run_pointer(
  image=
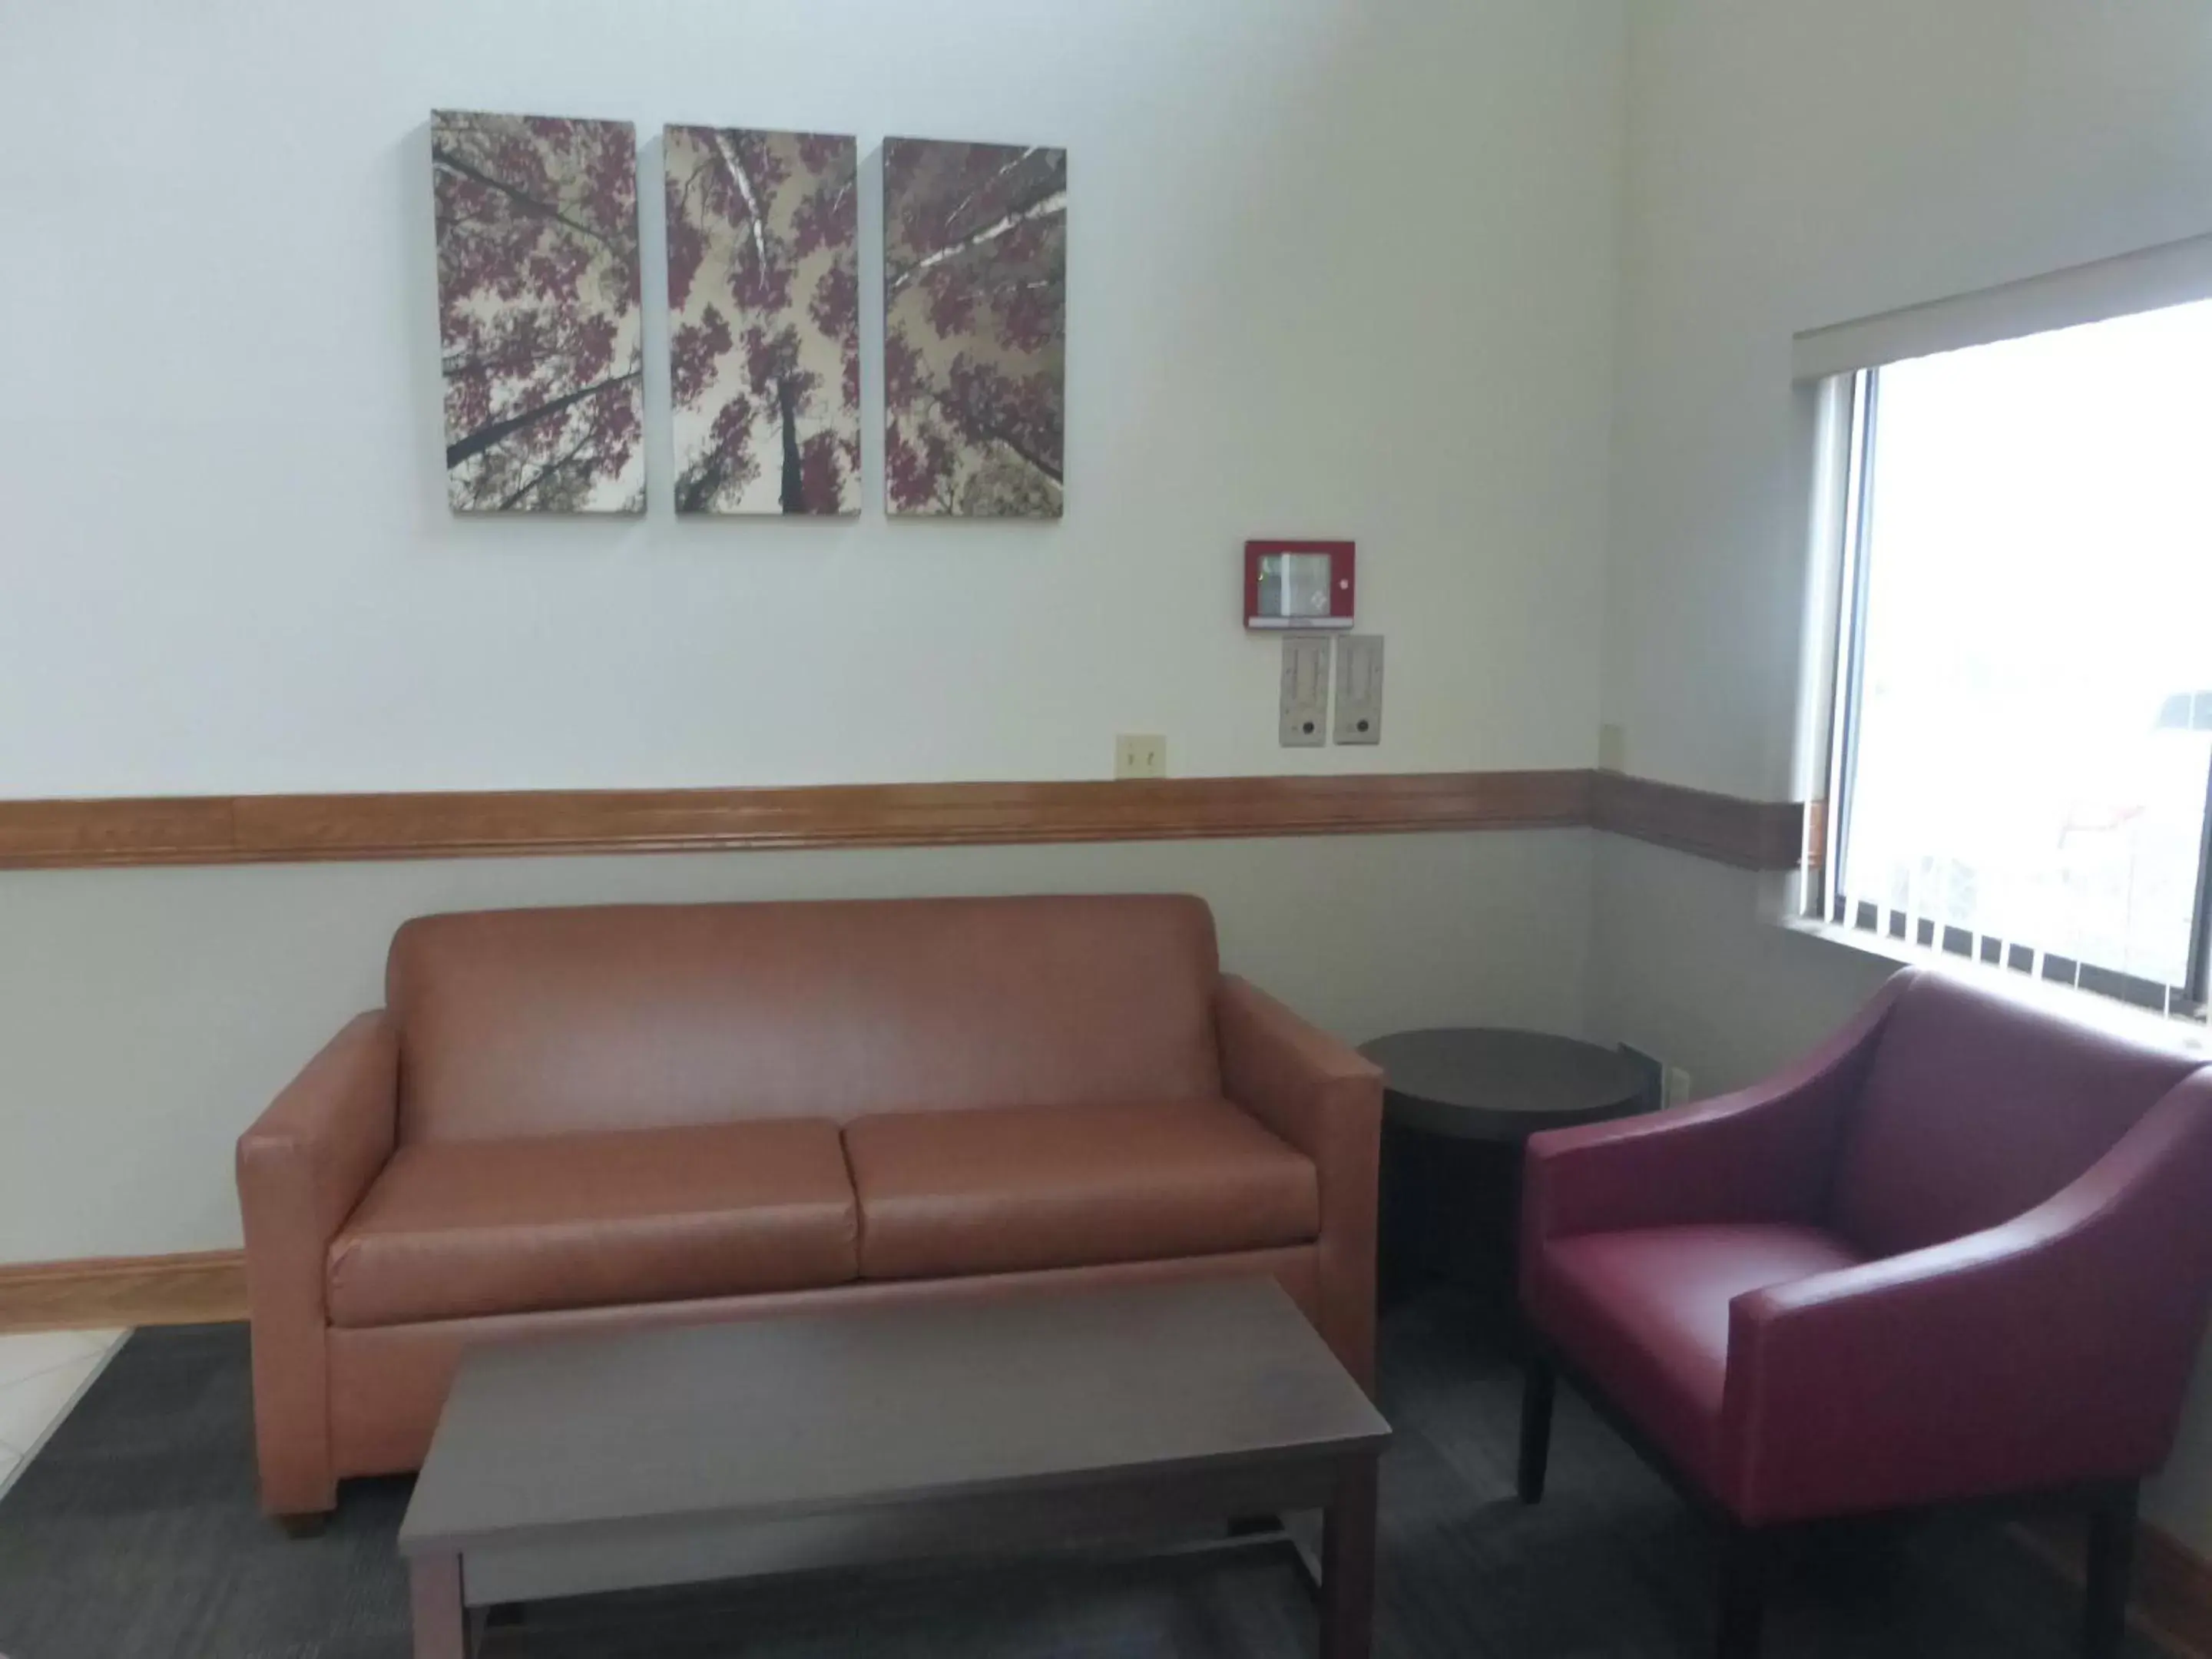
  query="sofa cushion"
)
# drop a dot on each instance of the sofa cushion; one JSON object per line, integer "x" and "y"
{"x": 1646, "y": 1313}
{"x": 539, "y": 1021}
{"x": 455, "y": 1228}
{"x": 1009, "y": 1189}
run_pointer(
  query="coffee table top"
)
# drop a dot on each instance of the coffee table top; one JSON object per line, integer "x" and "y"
{"x": 785, "y": 1417}
{"x": 1478, "y": 1084}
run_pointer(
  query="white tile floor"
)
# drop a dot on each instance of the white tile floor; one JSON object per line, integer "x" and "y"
{"x": 42, "y": 1374}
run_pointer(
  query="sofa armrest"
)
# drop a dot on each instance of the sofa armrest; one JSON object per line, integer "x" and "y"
{"x": 301, "y": 1169}
{"x": 2055, "y": 1349}
{"x": 1761, "y": 1154}
{"x": 1319, "y": 1094}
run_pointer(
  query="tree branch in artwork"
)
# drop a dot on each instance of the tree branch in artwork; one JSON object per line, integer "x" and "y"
{"x": 453, "y": 163}
{"x": 1054, "y": 203}
{"x": 726, "y": 144}
{"x": 498, "y": 431}
{"x": 975, "y": 327}
{"x": 764, "y": 302}
{"x": 1014, "y": 159}
{"x": 538, "y": 313}
{"x": 727, "y": 463}
{"x": 546, "y": 474}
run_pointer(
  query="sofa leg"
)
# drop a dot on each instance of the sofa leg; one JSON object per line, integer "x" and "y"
{"x": 1742, "y": 1592}
{"x": 1539, "y": 1382}
{"x": 304, "y": 1526}
{"x": 2111, "y": 1557}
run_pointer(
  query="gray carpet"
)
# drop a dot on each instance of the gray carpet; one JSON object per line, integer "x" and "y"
{"x": 134, "y": 1535}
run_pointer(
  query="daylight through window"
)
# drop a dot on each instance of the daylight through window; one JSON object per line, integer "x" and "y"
{"x": 2024, "y": 732}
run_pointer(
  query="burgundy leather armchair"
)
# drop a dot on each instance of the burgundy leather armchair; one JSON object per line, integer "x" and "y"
{"x": 1964, "y": 1249}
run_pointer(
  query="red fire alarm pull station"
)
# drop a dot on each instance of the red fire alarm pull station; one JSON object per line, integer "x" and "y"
{"x": 1298, "y": 584}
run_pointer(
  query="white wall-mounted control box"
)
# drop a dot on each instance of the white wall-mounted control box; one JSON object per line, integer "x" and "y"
{"x": 1359, "y": 688}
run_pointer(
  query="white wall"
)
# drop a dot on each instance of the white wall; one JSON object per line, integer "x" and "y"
{"x": 1335, "y": 268}
{"x": 1794, "y": 163}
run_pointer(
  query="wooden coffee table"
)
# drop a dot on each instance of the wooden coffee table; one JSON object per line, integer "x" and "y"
{"x": 606, "y": 1462}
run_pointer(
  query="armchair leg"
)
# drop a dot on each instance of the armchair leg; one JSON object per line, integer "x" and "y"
{"x": 2110, "y": 1555}
{"x": 1742, "y": 1592}
{"x": 1539, "y": 1382}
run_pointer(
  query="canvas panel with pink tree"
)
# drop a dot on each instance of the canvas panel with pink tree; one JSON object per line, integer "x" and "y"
{"x": 974, "y": 328}
{"x": 539, "y": 314}
{"x": 763, "y": 320}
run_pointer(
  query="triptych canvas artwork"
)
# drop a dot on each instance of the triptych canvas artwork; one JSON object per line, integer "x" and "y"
{"x": 538, "y": 313}
{"x": 764, "y": 321}
{"x": 975, "y": 327}
{"x": 541, "y": 320}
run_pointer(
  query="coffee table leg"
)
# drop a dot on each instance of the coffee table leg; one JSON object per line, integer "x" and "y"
{"x": 1348, "y": 1566}
{"x": 441, "y": 1623}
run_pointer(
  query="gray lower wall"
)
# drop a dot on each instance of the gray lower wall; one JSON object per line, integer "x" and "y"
{"x": 147, "y": 1016}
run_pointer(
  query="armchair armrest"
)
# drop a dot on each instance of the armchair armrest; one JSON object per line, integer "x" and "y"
{"x": 1319, "y": 1094}
{"x": 301, "y": 1169}
{"x": 2050, "y": 1351}
{"x": 1761, "y": 1154}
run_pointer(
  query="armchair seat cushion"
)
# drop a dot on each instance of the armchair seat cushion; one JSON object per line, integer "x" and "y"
{"x": 1644, "y": 1314}
{"x": 455, "y": 1228}
{"x": 1010, "y": 1190}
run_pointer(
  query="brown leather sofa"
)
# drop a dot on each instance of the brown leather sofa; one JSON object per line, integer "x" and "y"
{"x": 570, "y": 1118}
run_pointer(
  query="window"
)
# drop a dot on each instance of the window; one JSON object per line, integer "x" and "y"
{"x": 2022, "y": 753}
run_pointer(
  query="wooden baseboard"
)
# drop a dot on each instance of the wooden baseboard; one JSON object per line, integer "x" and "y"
{"x": 104, "y": 1292}
{"x": 2171, "y": 1602}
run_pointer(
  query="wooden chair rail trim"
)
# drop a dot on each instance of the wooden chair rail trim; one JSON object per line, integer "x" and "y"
{"x": 1752, "y": 835}
{"x": 298, "y": 829}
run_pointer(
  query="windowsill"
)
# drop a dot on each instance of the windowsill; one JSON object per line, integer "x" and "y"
{"x": 2067, "y": 1001}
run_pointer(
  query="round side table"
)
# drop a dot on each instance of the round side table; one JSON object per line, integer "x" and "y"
{"x": 1458, "y": 1104}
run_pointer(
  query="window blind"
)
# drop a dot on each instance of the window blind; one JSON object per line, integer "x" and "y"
{"x": 2173, "y": 273}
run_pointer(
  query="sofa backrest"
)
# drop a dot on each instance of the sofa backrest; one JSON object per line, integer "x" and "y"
{"x": 1976, "y": 1108}
{"x": 540, "y": 1022}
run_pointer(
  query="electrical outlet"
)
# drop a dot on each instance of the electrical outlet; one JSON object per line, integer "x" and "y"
{"x": 1304, "y": 712}
{"x": 1678, "y": 1087}
{"x": 1140, "y": 755}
